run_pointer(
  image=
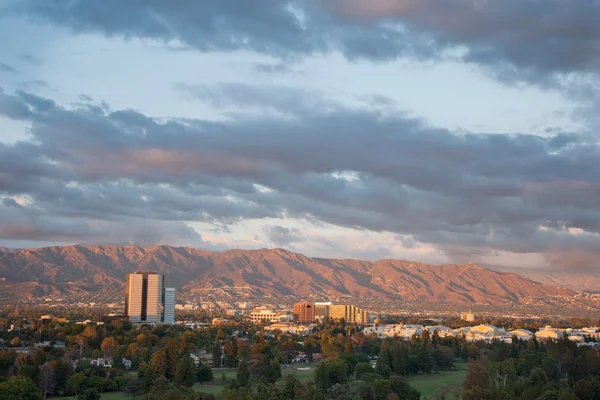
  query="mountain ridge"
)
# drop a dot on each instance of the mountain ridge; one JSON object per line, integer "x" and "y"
{"x": 276, "y": 273}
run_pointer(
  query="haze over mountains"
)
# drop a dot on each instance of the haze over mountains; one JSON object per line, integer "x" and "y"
{"x": 278, "y": 273}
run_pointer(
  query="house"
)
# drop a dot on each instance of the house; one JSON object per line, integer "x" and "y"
{"x": 195, "y": 359}
{"x": 126, "y": 363}
{"x": 105, "y": 362}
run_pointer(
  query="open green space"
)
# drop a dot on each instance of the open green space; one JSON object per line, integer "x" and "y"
{"x": 445, "y": 382}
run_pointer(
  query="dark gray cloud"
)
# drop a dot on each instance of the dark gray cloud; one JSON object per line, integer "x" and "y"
{"x": 29, "y": 58}
{"x": 520, "y": 39}
{"x": 282, "y": 236}
{"x": 6, "y": 68}
{"x": 91, "y": 171}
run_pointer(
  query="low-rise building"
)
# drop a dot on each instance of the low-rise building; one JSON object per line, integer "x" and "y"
{"x": 287, "y": 327}
{"x": 549, "y": 333}
{"x": 261, "y": 315}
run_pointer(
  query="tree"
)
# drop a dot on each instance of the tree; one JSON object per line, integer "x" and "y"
{"x": 322, "y": 378}
{"x": 19, "y": 388}
{"x": 47, "y": 379}
{"x": 337, "y": 370}
{"x": 363, "y": 368}
{"x": 383, "y": 359}
{"x": 216, "y": 354}
{"x": 109, "y": 346}
{"x": 403, "y": 389}
{"x": 398, "y": 357}
{"x": 477, "y": 376}
{"x": 158, "y": 362}
{"x": 89, "y": 394}
{"x": 204, "y": 374}
{"x": 381, "y": 388}
{"x": 133, "y": 388}
{"x": 76, "y": 383}
{"x": 242, "y": 375}
{"x": 184, "y": 373}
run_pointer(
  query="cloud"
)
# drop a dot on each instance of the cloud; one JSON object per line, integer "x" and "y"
{"x": 519, "y": 39}
{"x": 90, "y": 171}
{"x": 6, "y": 68}
{"x": 31, "y": 59}
{"x": 282, "y": 236}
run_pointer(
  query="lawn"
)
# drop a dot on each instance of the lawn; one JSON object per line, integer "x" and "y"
{"x": 435, "y": 384}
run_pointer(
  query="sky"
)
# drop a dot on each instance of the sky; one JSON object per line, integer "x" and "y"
{"x": 440, "y": 131}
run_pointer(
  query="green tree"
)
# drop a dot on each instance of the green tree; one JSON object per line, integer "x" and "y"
{"x": 337, "y": 370}
{"x": 133, "y": 388}
{"x": 77, "y": 383}
{"x": 89, "y": 394}
{"x": 383, "y": 359}
{"x": 322, "y": 381}
{"x": 242, "y": 375}
{"x": 204, "y": 374}
{"x": 19, "y": 388}
{"x": 363, "y": 368}
{"x": 216, "y": 354}
{"x": 398, "y": 357}
{"x": 185, "y": 372}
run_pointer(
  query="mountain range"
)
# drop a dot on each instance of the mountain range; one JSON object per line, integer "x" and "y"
{"x": 273, "y": 273}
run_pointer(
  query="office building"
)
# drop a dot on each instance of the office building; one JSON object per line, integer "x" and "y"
{"x": 304, "y": 312}
{"x": 147, "y": 300}
{"x": 169, "y": 306}
{"x": 348, "y": 312}
{"x": 322, "y": 310}
{"x": 262, "y": 314}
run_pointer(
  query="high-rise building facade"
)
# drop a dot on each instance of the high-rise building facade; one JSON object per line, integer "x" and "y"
{"x": 322, "y": 310}
{"x": 350, "y": 313}
{"x": 147, "y": 300}
{"x": 169, "y": 308}
{"x": 304, "y": 312}
{"x": 154, "y": 303}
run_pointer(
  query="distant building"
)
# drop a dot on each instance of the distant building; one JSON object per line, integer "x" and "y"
{"x": 287, "y": 327}
{"x": 322, "y": 310}
{"x": 147, "y": 300}
{"x": 469, "y": 317}
{"x": 233, "y": 313}
{"x": 350, "y": 313}
{"x": 262, "y": 314}
{"x": 304, "y": 312}
{"x": 549, "y": 333}
{"x": 169, "y": 306}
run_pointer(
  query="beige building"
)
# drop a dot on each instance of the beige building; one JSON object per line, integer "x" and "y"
{"x": 147, "y": 300}
{"x": 549, "y": 333}
{"x": 262, "y": 314}
{"x": 350, "y": 313}
{"x": 322, "y": 310}
{"x": 469, "y": 317}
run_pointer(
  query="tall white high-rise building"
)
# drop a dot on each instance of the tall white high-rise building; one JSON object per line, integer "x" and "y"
{"x": 147, "y": 300}
{"x": 169, "y": 306}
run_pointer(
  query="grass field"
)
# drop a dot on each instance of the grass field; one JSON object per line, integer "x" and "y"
{"x": 434, "y": 385}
